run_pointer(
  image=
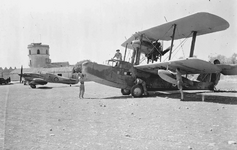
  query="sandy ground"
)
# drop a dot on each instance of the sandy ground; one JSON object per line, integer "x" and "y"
{"x": 53, "y": 117}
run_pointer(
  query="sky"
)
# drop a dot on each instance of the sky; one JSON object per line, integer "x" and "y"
{"x": 76, "y": 30}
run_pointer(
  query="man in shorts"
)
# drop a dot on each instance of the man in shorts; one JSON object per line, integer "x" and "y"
{"x": 82, "y": 86}
{"x": 179, "y": 83}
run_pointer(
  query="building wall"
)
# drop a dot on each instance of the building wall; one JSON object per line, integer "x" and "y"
{"x": 38, "y": 55}
{"x": 5, "y": 73}
{"x": 37, "y": 61}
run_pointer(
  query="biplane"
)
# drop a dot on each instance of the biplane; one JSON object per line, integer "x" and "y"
{"x": 43, "y": 78}
{"x": 160, "y": 75}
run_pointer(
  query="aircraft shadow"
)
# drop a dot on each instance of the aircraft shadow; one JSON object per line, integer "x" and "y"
{"x": 119, "y": 97}
{"x": 193, "y": 97}
{"x": 44, "y": 87}
{"x": 65, "y": 86}
{"x": 6, "y": 84}
{"x": 188, "y": 97}
{"x": 47, "y": 87}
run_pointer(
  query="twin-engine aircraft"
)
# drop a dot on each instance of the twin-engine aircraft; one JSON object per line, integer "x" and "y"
{"x": 160, "y": 75}
{"x": 43, "y": 78}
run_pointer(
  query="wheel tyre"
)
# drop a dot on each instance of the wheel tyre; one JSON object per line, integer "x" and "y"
{"x": 137, "y": 90}
{"x": 56, "y": 79}
{"x": 125, "y": 92}
{"x": 32, "y": 86}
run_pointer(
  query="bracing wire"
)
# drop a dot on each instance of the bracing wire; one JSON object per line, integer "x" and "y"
{"x": 181, "y": 43}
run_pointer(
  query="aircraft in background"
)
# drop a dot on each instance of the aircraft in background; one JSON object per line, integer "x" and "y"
{"x": 34, "y": 79}
{"x": 161, "y": 75}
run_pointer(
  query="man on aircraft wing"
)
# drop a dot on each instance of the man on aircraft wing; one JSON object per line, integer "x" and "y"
{"x": 118, "y": 55}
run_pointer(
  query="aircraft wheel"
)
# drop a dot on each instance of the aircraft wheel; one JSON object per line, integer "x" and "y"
{"x": 137, "y": 90}
{"x": 56, "y": 79}
{"x": 32, "y": 86}
{"x": 125, "y": 92}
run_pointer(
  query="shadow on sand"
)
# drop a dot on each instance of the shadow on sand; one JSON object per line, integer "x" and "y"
{"x": 6, "y": 84}
{"x": 119, "y": 97}
{"x": 188, "y": 97}
{"x": 47, "y": 87}
{"x": 44, "y": 87}
{"x": 193, "y": 97}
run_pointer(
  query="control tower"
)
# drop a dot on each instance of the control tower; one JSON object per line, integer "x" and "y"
{"x": 38, "y": 55}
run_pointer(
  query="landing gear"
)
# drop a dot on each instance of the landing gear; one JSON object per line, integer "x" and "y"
{"x": 33, "y": 86}
{"x": 137, "y": 90}
{"x": 125, "y": 92}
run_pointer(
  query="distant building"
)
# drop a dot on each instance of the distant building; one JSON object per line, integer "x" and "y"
{"x": 39, "y": 57}
{"x": 5, "y": 73}
{"x": 57, "y": 64}
{"x": 39, "y": 61}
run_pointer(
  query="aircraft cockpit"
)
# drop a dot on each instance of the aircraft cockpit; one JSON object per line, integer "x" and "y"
{"x": 113, "y": 62}
{"x": 119, "y": 64}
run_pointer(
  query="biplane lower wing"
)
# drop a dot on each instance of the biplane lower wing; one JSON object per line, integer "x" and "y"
{"x": 228, "y": 69}
{"x": 190, "y": 66}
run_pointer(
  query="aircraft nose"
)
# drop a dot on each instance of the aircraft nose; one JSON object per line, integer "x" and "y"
{"x": 85, "y": 63}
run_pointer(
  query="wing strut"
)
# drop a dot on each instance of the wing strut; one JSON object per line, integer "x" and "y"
{"x": 193, "y": 43}
{"x": 125, "y": 52}
{"x": 172, "y": 41}
{"x": 138, "y": 51}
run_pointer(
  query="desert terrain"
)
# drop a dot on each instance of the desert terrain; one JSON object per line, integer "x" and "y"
{"x": 52, "y": 117}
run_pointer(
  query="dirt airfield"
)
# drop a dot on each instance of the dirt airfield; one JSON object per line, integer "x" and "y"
{"x": 52, "y": 117}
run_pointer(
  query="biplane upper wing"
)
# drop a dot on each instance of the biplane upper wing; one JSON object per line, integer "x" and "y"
{"x": 202, "y": 23}
{"x": 190, "y": 66}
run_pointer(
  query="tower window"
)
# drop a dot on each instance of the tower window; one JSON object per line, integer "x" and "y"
{"x": 47, "y": 51}
{"x": 29, "y": 52}
{"x": 38, "y": 51}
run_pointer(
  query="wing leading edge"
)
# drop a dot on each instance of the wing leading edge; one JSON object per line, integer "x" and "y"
{"x": 203, "y": 23}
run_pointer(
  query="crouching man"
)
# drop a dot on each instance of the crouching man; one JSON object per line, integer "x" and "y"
{"x": 143, "y": 83}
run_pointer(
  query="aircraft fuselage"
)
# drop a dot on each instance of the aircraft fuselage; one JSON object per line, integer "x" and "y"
{"x": 123, "y": 76}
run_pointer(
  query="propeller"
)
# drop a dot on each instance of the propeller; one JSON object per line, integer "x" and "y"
{"x": 21, "y": 73}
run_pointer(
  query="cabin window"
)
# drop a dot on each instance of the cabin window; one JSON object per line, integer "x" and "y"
{"x": 38, "y": 51}
{"x": 59, "y": 74}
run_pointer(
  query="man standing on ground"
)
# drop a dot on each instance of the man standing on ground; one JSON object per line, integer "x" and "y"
{"x": 179, "y": 83}
{"x": 82, "y": 86}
